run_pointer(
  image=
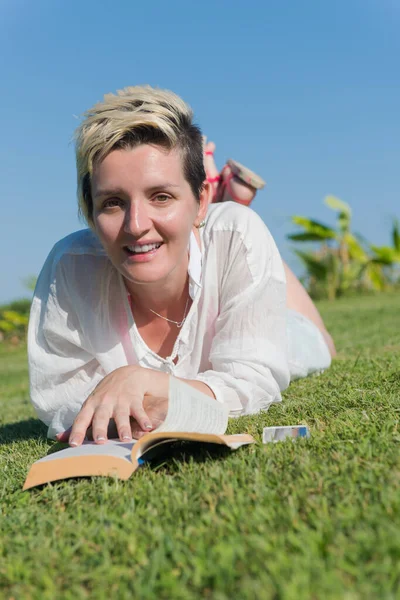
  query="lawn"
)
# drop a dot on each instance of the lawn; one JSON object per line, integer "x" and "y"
{"x": 319, "y": 518}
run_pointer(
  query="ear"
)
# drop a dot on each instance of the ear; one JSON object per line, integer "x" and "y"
{"x": 205, "y": 199}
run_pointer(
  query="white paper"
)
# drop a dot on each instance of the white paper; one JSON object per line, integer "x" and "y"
{"x": 191, "y": 411}
{"x": 110, "y": 448}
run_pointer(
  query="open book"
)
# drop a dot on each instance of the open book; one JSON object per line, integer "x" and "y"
{"x": 191, "y": 416}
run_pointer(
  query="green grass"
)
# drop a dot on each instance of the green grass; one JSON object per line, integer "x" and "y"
{"x": 319, "y": 518}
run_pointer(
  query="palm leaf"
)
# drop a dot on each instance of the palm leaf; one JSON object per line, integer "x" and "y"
{"x": 338, "y": 205}
{"x": 315, "y": 267}
{"x": 384, "y": 255}
{"x": 319, "y": 231}
{"x": 306, "y": 237}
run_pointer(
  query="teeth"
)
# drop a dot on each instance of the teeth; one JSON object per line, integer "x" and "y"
{"x": 142, "y": 248}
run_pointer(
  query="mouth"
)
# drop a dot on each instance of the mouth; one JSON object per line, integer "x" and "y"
{"x": 142, "y": 249}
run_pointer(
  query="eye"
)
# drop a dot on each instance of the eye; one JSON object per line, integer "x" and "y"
{"x": 112, "y": 203}
{"x": 162, "y": 198}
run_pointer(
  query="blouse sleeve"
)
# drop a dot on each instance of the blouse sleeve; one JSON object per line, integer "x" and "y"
{"x": 62, "y": 370}
{"x": 248, "y": 353}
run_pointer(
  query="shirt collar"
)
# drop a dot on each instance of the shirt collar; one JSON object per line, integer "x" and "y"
{"x": 194, "y": 268}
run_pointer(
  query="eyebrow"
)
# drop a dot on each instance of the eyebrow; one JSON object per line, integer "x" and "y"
{"x": 118, "y": 191}
{"x": 110, "y": 192}
{"x": 163, "y": 186}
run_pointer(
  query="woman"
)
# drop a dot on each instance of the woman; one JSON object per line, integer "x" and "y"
{"x": 159, "y": 285}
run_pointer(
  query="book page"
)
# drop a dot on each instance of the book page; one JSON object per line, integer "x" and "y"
{"x": 192, "y": 411}
{"x": 113, "y": 448}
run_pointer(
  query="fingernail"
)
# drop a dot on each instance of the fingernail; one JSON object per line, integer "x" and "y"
{"x": 148, "y": 426}
{"x": 73, "y": 442}
{"x": 127, "y": 437}
{"x": 100, "y": 438}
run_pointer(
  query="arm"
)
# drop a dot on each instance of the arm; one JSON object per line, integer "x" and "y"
{"x": 248, "y": 353}
{"x": 62, "y": 371}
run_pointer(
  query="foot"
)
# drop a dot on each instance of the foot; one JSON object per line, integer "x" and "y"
{"x": 235, "y": 189}
{"x": 225, "y": 186}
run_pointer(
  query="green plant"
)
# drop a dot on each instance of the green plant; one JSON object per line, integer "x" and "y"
{"x": 14, "y": 320}
{"x": 22, "y": 306}
{"x": 13, "y": 323}
{"x": 387, "y": 258}
{"x": 343, "y": 261}
{"x": 14, "y": 316}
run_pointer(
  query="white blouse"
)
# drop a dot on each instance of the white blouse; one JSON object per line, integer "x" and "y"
{"x": 234, "y": 338}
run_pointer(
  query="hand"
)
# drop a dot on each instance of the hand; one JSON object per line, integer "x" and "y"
{"x": 120, "y": 396}
{"x": 156, "y": 408}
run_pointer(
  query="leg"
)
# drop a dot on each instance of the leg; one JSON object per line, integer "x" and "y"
{"x": 210, "y": 167}
{"x": 298, "y": 299}
{"x": 241, "y": 191}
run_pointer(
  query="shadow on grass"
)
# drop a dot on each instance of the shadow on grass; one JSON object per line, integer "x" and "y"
{"x": 22, "y": 430}
{"x": 179, "y": 453}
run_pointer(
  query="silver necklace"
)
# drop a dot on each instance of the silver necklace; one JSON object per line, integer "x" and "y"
{"x": 177, "y": 323}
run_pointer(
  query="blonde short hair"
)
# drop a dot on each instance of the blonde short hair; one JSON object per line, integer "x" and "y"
{"x": 133, "y": 116}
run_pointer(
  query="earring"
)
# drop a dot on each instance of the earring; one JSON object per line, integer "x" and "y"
{"x": 200, "y": 225}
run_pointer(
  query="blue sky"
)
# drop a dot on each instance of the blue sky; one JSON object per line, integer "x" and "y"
{"x": 306, "y": 93}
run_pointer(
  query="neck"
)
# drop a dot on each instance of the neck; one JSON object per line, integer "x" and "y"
{"x": 166, "y": 298}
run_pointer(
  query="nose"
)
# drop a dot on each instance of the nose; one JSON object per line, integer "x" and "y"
{"x": 137, "y": 220}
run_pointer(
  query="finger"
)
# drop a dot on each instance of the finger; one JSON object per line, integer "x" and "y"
{"x": 80, "y": 425}
{"x": 64, "y": 435}
{"x": 136, "y": 431}
{"x": 138, "y": 413}
{"x": 137, "y": 434}
{"x": 100, "y": 421}
{"x": 122, "y": 421}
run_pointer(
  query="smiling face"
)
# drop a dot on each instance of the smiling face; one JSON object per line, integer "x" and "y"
{"x": 143, "y": 213}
